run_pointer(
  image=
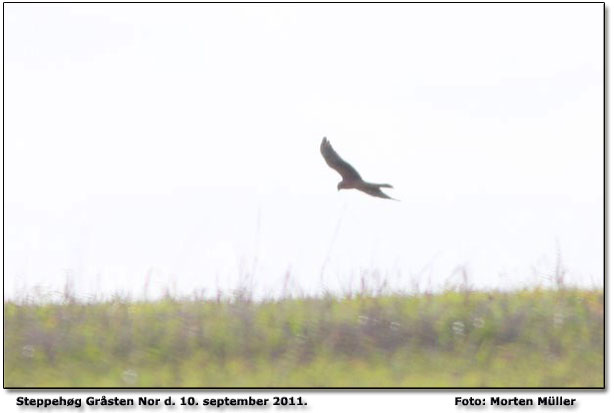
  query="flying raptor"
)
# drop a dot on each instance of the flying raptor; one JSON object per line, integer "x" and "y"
{"x": 351, "y": 178}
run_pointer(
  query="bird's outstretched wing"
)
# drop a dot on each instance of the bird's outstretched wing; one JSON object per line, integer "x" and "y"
{"x": 332, "y": 158}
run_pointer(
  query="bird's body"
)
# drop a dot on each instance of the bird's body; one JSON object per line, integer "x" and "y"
{"x": 351, "y": 177}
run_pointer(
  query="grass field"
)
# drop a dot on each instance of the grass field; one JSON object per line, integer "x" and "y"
{"x": 528, "y": 338}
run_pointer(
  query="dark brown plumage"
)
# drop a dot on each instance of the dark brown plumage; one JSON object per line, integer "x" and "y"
{"x": 351, "y": 177}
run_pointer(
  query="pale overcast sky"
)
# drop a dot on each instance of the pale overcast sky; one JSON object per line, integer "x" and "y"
{"x": 180, "y": 143}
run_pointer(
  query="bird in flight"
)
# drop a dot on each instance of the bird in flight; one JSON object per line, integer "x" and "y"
{"x": 351, "y": 178}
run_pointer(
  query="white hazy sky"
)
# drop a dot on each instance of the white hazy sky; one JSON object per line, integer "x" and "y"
{"x": 180, "y": 144}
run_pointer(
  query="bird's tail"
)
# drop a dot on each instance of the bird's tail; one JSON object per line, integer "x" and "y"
{"x": 376, "y": 190}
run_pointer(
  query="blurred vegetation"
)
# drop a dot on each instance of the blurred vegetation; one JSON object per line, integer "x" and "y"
{"x": 528, "y": 338}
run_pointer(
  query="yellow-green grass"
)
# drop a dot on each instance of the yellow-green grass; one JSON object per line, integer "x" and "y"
{"x": 528, "y": 338}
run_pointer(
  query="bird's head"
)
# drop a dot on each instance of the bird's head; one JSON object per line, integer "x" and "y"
{"x": 342, "y": 185}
